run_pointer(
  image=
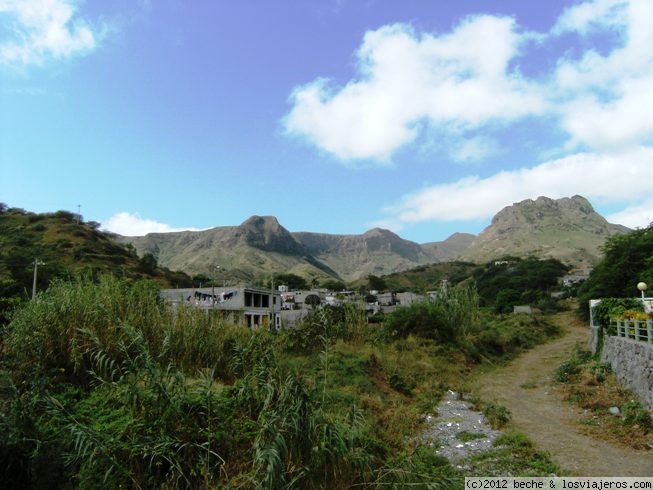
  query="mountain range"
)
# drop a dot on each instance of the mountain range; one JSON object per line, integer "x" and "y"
{"x": 567, "y": 229}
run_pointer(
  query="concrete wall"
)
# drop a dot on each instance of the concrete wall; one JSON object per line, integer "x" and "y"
{"x": 632, "y": 363}
{"x": 593, "y": 341}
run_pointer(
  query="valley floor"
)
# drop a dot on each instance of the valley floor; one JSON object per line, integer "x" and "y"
{"x": 527, "y": 389}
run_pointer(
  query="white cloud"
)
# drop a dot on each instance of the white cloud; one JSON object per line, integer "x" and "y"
{"x": 473, "y": 150}
{"x": 131, "y": 224}
{"x": 44, "y": 29}
{"x": 609, "y": 177}
{"x": 460, "y": 79}
{"x": 605, "y": 101}
{"x": 590, "y": 15}
{"x": 636, "y": 216}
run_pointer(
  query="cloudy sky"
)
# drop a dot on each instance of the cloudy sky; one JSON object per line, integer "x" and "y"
{"x": 335, "y": 116}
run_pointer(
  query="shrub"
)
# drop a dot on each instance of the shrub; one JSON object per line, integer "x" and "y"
{"x": 566, "y": 371}
{"x": 497, "y": 415}
{"x": 634, "y": 414}
{"x": 446, "y": 319}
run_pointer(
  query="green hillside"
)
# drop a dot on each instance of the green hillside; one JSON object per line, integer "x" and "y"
{"x": 64, "y": 246}
{"x": 429, "y": 277}
{"x": 500, "y": 284}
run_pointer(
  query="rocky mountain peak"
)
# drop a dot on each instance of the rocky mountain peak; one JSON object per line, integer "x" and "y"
{"x": 568, "y": 229}
{"x": 265, "y": 233}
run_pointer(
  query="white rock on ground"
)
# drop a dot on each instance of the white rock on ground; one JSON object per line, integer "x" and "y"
{"x": 453, "y": 417}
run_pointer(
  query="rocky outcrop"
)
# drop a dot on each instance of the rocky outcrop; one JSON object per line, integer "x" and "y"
{"x": 566, "y": 229}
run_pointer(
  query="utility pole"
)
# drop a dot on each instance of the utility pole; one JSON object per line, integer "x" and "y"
{"x": 37, "y": 262}
{"x": 216, "y": 271}
{"x": 272, "y": 324}
{"x": 79, "y": 213}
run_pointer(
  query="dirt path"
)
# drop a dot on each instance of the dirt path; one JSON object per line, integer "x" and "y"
{"x": 526, "y": 388}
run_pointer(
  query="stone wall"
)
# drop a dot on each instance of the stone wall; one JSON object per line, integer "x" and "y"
{"x": 632, "y": 363}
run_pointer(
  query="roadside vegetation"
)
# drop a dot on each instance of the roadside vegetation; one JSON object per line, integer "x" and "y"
{"x": 611, "y": 412}
{"x": 102, "y": 385}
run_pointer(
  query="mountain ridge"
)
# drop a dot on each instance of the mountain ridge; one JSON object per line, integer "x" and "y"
{"x": 568, "y": 229}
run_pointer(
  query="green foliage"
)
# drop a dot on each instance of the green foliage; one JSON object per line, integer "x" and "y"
{"x": 566, "y": 371}
{"x": 445, "y": 319}
{"x": 312, "y": 300}
{"x": 609, "y": 310}
{"x": 569, "y": 370}
{"x": 517, "y": 281}
{"x": 333, "y": 285}
{"x": 375, "y": 283}
{"x": 466, "y": 436}
{"x": 635, "y": 414}
{"x": 429, "y": 277}
{"x": 293, "y": 281}
{"x": 66, "y": 248}
{"x": 496, "y": 415}
{"x": 628, "y": 259}
{"x": 501, "y": 337}
{"x": 423, "y": 468}
{"x": 513, "y": 454}
{"x": 114, "y": 389}
{"x": 103, "y": 386}
{"x": 506, "y": 299}
{"x": 330, "y": 323}
{"x": 148, "y": 262}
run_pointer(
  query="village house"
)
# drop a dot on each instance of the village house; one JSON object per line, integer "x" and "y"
{"x": 250, "y": 306}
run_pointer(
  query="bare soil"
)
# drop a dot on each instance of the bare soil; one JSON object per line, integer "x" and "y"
{"x": 527, "y": 389}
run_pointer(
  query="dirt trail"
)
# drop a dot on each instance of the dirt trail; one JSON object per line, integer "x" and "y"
{"x": 527, "y": 389}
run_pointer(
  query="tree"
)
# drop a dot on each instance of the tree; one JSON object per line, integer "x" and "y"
{"x": 201, "y": 279}
{"x": 628, "y": 259}
{"x": 506, "y": 299}
{"x": 312, "y": 300}
{"x": 148, "y": 262}
{"x": 333, "y": 285}
{"x": 376, "y": 283}
{"x": 293, "y": 281}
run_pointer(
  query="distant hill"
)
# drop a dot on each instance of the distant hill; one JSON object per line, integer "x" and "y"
{"x": 260, "y": 245}
{"x": 451, "y": 248}
{"x": 566, "y": 229}
{"x": 257, "y": 247}
{"x": 65, "y": 245}
{"x": 376, "y": 251}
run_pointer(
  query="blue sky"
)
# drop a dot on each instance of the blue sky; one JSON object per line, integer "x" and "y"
{"x": 424, "y": 117}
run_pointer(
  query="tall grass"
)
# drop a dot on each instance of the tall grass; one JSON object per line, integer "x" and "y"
{"x": 54, "y": 332}
{"x": 127, "y": 397}
{"x": 445, "y": 319}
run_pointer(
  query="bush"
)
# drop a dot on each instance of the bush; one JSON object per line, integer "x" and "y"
{"x": 497, "y": 415}
{"x": 446, "y": 319}
{"x": 634, "y": 414}
{"x": 566, "y": 371}
{"x": 109, "y": 388}
{"x": 508, "y": 334}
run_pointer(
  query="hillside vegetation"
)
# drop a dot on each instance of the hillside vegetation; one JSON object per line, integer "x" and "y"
{"x": 500, "y": 284}
{"x": 628, "y": 260}
{"x": 567, "y": 229}
{"x": 66, "y": 245}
